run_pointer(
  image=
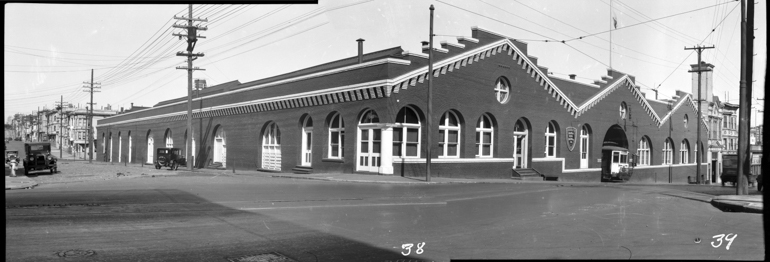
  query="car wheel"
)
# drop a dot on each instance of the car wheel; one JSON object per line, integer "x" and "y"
{"x": 157, "y": 166}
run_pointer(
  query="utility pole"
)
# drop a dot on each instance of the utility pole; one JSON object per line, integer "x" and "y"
{"x": 61, "y": 105}
{"x": 747, "y": 59}
{"x": 37, "y": 123}
{"x": 430, "y": 95}
{"x": 698, "y": 147}
{"x": 90, "y": 118}
{"x": 192, "y": 38}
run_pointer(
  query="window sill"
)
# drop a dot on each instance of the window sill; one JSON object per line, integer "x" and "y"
{"x": 334, "y": 160}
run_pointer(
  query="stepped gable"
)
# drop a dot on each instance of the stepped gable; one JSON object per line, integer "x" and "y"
{"x": 660, "y": 107}
{"x": 576, "y": 91}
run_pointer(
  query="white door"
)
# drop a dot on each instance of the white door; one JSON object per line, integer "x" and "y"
{"x": 307, "y": 147}
{"x": 583, "y": 148}
{"x": 271, "y": 148}
{"x": 150, "y": 150}
{"x": 120, "y": 148}
{"x": 369, "y": 149}
{"x": 519, "y": 150}
{"x": 130, "y": 143}
{"x": 110, "y": 148}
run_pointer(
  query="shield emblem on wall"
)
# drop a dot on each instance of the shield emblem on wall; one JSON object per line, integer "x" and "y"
{"x": 571, "y": 137}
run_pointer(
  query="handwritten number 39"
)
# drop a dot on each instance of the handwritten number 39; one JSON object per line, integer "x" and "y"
{"x": 728, "y": 238}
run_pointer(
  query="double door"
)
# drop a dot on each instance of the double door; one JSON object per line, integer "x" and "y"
{"x": 519, "y": 150}
{"x": 369, "y": 149}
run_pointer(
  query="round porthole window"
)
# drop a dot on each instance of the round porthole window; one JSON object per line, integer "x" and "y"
{"x": 502, "y": 90}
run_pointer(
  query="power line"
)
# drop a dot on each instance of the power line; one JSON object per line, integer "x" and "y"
{"x": 502, "y": 22}
{"x": 701, "y": 42}
{"x": 624, "y": 27}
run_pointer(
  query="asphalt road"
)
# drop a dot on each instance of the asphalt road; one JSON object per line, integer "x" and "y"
{"x": 205, "y": 217}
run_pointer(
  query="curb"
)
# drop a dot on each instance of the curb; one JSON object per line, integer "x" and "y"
{"x": 737, "y": 206}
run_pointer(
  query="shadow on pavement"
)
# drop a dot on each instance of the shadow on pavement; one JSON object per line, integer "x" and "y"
{"x": 163, "y": 225}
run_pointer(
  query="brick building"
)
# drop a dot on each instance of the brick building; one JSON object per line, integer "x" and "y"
{"x": 496, "y": 114}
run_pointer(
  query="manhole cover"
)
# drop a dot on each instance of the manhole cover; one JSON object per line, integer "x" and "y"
{"x": 266, "y": 257}
{"x": 76, "y": 253}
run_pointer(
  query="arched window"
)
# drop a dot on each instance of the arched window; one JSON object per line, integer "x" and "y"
{"x": 484, "y": 136}
{"x": 406, "y": 133}
{"x": 584, "y": 146}
{"x": 271, "y": 147}
{"x": 169, "y": 139}
{"x": 684, "y": 152}
{"x": 449, "y": 128}
{"x": 668, "y": 152}
{"x": 685, "y": 120}
{"x": 502, "y": 90}
{"x": 644, "y": 151}
{"x": 336, "y": 137}
{"x": 550, "y": 140}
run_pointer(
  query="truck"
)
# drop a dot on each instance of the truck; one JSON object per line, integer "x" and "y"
{"x": 730, "y": 170}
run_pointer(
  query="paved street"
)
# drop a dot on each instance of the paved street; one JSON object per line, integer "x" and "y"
{"x": 199, "y": 216}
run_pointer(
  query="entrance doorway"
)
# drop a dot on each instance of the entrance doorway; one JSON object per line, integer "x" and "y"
{"x": 369, "y": 138}
{"x": 614, "y": 154}
{"x": 520, "y": 144}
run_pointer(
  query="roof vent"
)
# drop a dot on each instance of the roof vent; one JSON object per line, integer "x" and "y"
{"x": 572, "y": 76}
{"x": 360, "y": 50}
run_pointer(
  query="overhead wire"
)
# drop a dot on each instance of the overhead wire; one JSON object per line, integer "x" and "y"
{"x": 644, "y": 22}
{"x": 690, "y": 54}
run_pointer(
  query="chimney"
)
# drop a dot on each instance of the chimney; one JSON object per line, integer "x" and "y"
{"x": 424, "y": 45}
{"x": 132, "y": 105}
{"x": 360, "y": 50}
{"x": 121, "y": 109}
{"x": 572, "y": 76}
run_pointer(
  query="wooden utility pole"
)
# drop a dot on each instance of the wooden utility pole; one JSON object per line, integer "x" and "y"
{"x": 747, "y": 55}
{"x": 430, "y": 97}
{"x": 192, "y": 38}
{"x": 698, "y": 142}
{"x": 61, "y": 105}
{"x": 90, "y": 117}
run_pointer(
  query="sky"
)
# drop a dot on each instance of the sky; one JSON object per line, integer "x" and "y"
{"x": 50, "y": 49}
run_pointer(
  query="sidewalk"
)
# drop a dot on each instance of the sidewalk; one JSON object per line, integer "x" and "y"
{"x": 19, "y": 182}
{"x": 730, "y": 203}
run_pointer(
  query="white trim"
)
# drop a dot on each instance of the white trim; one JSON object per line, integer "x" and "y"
{"x": 666, "y": 166}
{"x": 452, "y": 160}
{"x": 442, "y": 50}
{"x": 258, "y": 101}
{"x": 467, "y": 38}
{"x": 293, "y": 79}
{"x": 420, "y": 55}
{"x": 452, "y": 44}
{"x": 575, "y": 81}
{"x": 563, "y": 169}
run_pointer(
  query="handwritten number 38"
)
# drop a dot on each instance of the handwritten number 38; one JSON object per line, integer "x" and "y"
{"x": 728, "y": 238}
{"x": 409, "y": 246}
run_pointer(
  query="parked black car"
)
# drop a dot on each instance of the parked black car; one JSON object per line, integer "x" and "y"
{"x": 169, "y": 157}
{"x": 39, "y": 157}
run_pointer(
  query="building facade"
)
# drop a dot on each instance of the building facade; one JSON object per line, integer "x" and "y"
{"x": 496, "y": 114}
{"x": 78, "y": 129}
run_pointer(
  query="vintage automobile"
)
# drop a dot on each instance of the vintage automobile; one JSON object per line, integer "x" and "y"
{"x": 169, "y": 157}
{"x": 39, "y": 157}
